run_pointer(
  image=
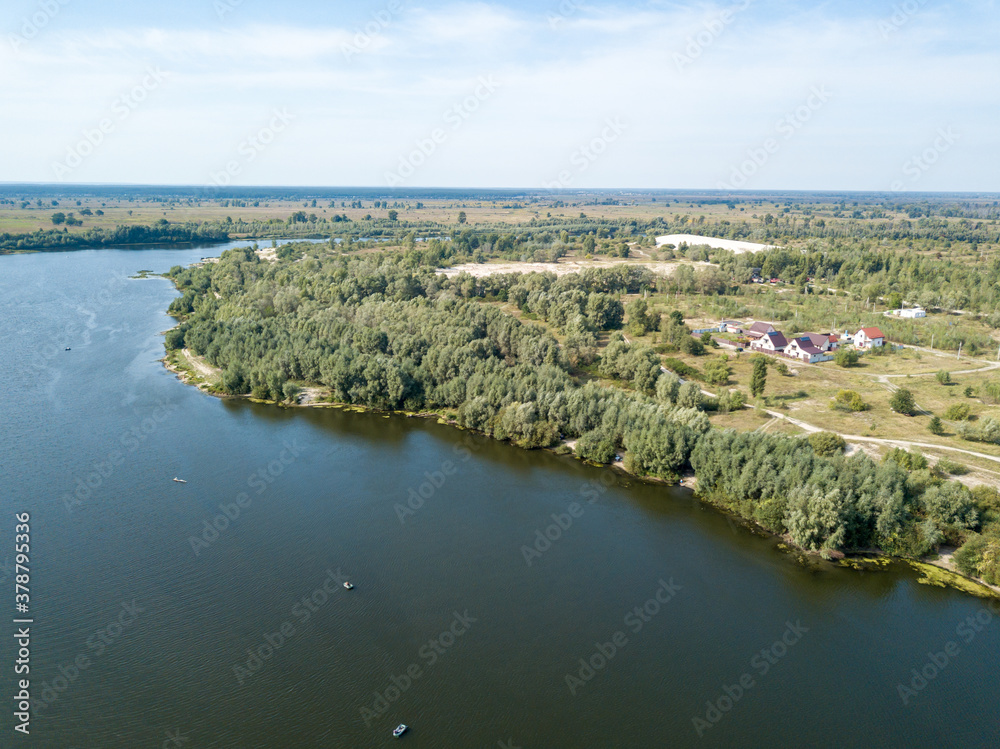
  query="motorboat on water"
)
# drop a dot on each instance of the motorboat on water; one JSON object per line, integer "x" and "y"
{"x": 179, "y": 481}
{"x": 400, "y": 730}
{"x": 349, "y": 586}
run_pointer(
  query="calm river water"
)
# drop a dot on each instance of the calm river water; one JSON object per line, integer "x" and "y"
{"x": 161, "y": 622}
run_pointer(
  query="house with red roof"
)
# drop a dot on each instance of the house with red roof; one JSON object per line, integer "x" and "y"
{"x": 867, "y": 338}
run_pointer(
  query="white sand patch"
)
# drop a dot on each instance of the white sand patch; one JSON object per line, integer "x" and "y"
{"x": 721, "y": 244}
{"x": 560, "y": 268}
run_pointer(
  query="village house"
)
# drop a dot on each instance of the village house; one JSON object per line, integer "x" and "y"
{"x": 772, "y": 343}
{"x": 759, "y": 329}
{"x": 822, "y": 341}
{"x": 913, "y": 312}
{"x": 868, "y": 338}
{"x": 803, "y": 349}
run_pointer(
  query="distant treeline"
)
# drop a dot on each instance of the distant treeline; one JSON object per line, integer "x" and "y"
{"x": 383, "y": 330}
{"x": 56, "y": 239}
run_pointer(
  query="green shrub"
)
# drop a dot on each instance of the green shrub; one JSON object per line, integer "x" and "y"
{"x": 909, "y": 461}
{"x": 849, "y": 400}
{"x": 951, "y": 467}
{"x": 597, "y": 446}
{"x": 846, "y": 357}
{"x": 827, "y": 444}
{"x": 958, "y": 412}
{"x": 902, "y": 402}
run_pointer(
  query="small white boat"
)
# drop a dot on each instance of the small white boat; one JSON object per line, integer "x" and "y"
{"x": 179, "y": 481}
{"x": 349, "y": 586}
{"x": 400, "y": 730}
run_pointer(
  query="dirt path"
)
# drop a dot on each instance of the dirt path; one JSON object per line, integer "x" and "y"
{"x": 812, "y": 429}
{"x": 200, "y": 366}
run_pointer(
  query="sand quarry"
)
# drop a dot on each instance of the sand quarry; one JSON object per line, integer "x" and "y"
{"x": 719, "y": 244}
{"x": 561, "y": 268}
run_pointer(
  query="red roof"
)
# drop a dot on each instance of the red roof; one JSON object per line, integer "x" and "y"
{"x": 872, "y": 333}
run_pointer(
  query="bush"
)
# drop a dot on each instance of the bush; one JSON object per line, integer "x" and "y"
{"x": 988, "y": 430}
{"x": 909, "y": 461}
{"x": 902, "y": 402}
{"x": 174, "y": 339}
{"x": 596, "y": 446}
{"x": 846, "y": 357}
{"x": 935, "y": 426}
{"x": 692, "y": 346}
{"x": 943, "y": 377}
{"x": 850, "y": 400}
{"x": 951, "y": 467}
{"x": 732, "y": 401}
{"x": 827, "y": 444}
{"x": 681, "y": 369}
{"x": 958, "y": 412}
{"x": 717, "y": 371}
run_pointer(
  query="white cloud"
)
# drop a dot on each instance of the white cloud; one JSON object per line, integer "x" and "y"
{"x": 687, "y": 123}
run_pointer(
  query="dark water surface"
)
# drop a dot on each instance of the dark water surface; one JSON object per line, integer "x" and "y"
{"x": 462, "y": 638}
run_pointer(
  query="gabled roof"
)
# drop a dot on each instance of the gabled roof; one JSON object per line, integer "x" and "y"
{"x": 760, "y": 327}
{"x": 778, "y": 339}
{"x": 872, "y": 333}
{"x": 815, "y": 338}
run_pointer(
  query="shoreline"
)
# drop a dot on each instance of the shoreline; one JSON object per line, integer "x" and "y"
{"x": 933, "y": 571}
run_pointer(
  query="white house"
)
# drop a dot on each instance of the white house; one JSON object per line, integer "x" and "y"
{"x": 913, "y": 312}
{"x": 804, "y": 350}
{"x": 868, "y": 338}
{"x": 772, "y": 343}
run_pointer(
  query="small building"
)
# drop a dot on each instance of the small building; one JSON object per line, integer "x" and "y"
{"x": 803, "y": 349}
{"x": 772, "y": 343}
{"x": 913, "y": 312}
{"x": 868, "y": 338}
{"x": 731, "y": 326}
{"x": 759, "y": 329}
{"x": 720, "y": 328}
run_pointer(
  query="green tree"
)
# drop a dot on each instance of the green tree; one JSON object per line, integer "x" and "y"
{"x": 758, "y": 380}
{"x": 958, "y": 412}
{"x": 902, "y": 402}
{"x": 393, "y": 215}
{"x": 943, "y": 377}
{"x": 717, "y": 371}
{"x": 850, "y": 400}
{"x": 827, "y": 443}
{"x": 462, "y": 218}
{"x": 846, "y": 357}
{"x": 935, "y": 426}
{"x": 58, "y": 218}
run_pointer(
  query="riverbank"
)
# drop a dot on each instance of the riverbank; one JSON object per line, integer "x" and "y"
{"x": 938, "y": 570}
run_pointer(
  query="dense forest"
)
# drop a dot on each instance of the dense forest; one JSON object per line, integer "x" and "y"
{"x": 384, "y": 330}
{"x": 61, "y": 239}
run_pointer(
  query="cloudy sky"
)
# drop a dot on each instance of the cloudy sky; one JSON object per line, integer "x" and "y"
{"x": 755, "y": 94}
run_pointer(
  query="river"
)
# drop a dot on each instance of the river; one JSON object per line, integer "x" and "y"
{"x": 502, "y": 597}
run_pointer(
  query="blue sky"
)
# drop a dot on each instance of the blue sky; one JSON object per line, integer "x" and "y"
{"x": 755, "y": 94}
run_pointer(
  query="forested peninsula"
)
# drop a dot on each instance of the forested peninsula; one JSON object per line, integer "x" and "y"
{"x": 385, "y": 331}
{"x": 61, "y": 239}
